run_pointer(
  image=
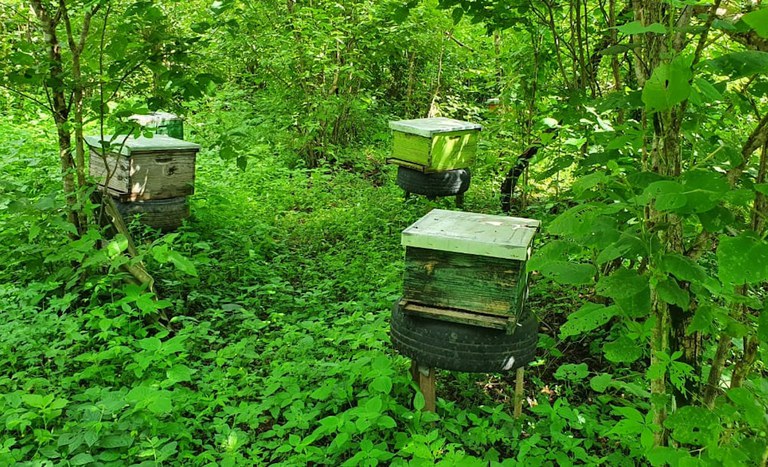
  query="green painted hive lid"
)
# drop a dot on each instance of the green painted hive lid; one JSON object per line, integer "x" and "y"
{"x": 429, "y": 127}
{"x": 474, "y": 234}
{"x": 128, "y": 145}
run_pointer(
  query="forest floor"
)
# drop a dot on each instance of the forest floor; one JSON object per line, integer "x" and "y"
{"x": 276, "y": 349}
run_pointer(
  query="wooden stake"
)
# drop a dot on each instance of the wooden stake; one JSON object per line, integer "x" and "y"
{"x": 427, "y": 386}
{"x": 519, "y": 392}
{"x": 425, "y": 377}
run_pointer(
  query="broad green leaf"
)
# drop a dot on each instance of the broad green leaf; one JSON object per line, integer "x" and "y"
{"x": 150, "y": 343}
{"x": 600, "y": 382}
{"x": 694, "y": 425}
{"x": 707, "y": 90}
{"x": 628, "y": 245}
{"x": 749, "y": 407}
{"x": 621, "y": 283}
{"x": 717, "y": 219}
{"x": 589, "y": 181}
{"x": 706, "y": 319}
{"x": 418, "y": 401}
{"x": 555, "y": 250}
{"x": 37, "y": 401}
{"x": 742, "y": 260}
{"x": 179, "y": 373}
{"x": 663, "y": 455}
{"x": 382, "y": 384}
{"x": 622, "y": 350}
{"x": 668, "y": 85}
{"x": 566, "y": 272}
{"x": 740, "y": 64}
{"x": 160, "y": 404}
{"x": 588, "y": 318}
{"x": 386, "y": 422}
{"x": 630, "y": 413}
{"x": 758, "y": 20}
{"x": 703, "y": 190}
{"x": 636, "y": 27}
{"x": 668, "y": 195}
{"x": 82, "y": 459}
{"x": 457, "y": 14}
{"x": 629, "y": 290}
{"x": 683, "y": 268}
{"x": 182, "y": 263}
{"x": 670, "y": 292}
{"x": 572, "y": 372}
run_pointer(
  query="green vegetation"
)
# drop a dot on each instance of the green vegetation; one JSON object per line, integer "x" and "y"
{"x": 265, "y": 337}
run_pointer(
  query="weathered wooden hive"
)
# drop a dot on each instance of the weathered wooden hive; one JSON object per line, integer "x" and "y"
{"x": 142, "y": 168}
{"x": 467, "y": 267}
{"x": 434, "y": 144}
{"x": 163, "y": 123}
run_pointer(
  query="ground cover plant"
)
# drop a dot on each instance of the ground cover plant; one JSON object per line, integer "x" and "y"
{"x": 264, "y": 337}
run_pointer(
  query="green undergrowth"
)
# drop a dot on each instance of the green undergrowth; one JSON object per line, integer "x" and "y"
{"x": 267, "y": 341}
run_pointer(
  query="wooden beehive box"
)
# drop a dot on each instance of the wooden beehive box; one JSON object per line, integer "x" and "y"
{"x": 467, "y": 267}
{"x": 142, "y": 168}
{"x": 434, "y": 144}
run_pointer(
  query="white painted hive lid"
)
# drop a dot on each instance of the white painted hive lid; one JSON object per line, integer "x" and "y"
{"x": 130, "y": 144}
{"x": 428, "y": 127}
{"x": 473, "y": 234}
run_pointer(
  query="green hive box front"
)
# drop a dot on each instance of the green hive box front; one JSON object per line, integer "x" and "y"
{"x": 163, "y": 123}
{"x": 434, "y": 144}
{"x": 467, "y": 262}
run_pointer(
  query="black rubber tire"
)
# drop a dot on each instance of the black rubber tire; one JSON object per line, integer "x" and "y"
{"x": 448, "y": 183}
{"x": 164, "y": 214}
{"x": 461, "y": 347}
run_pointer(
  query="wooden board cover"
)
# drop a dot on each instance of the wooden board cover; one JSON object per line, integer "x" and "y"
{"x": 474, "y": 234}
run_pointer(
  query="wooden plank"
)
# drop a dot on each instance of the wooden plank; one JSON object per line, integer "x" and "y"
{"x": 411, "y": 148}
{"x": 456, "y": 316}
{"x": 519, "y": 391}
{"x": 407, "y": 164}
{"x": 465, "y": 282}
{"x": 116, "y": 169}
{"x": 162, "y": 176}
{"x": 473, "y": 233}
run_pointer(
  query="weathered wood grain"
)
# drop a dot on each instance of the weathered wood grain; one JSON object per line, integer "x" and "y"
{"x": 456, "y": 316}
{"x": 146, "y": 175}
{"x": 480, "y": 284}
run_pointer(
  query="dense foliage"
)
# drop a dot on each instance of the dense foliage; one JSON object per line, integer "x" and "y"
{"x": 264, "y": 338}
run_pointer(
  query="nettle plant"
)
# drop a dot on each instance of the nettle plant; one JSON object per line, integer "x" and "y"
{"x": 669, "y": 229}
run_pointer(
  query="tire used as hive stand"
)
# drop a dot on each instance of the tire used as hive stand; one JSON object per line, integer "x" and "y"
{"x": 163, "y": 214}
{"x": 462, "y": 347}
{"x": 448, "y": 183}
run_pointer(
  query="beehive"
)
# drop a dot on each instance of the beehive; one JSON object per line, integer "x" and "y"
{"x": 163, "y": 123}
{"x": 142, "y": 168}
{"x": 434, "y": 144}
{"x": 467, "y": 267}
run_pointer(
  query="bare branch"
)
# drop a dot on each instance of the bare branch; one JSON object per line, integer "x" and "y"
{"x": 26, "y": 96}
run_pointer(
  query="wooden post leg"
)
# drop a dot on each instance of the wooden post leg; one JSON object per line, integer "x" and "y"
{"x": 427, "y": 386}
{"x": 519, "y": 392}
{"x": 425, "y": 378}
